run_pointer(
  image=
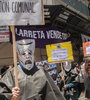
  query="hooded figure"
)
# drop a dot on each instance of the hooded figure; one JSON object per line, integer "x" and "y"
{"x": 34, "y": 83}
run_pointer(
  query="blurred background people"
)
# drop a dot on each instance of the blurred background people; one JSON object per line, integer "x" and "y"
{"x": 69, "y": 83}
{"x": 0, "y": 77}
{"x": 87, "y": 80}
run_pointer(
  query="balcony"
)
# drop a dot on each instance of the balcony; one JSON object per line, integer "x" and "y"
{"x": 78, "y": 5}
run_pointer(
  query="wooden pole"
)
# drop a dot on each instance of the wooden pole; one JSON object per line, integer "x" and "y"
{"x": 63, "y": 73}
{"x": 42, "y": 12}
{"x": 15, "y": 57}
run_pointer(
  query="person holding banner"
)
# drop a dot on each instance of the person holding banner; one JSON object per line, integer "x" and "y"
{"x": 34, "y": 83}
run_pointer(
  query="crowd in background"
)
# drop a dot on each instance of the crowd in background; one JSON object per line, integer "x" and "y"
{"x": 75, "y": 80}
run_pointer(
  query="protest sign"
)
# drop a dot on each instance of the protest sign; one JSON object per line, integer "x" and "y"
{"x": 42, "y": 36}
{"x": 59, "y": 52}
{"x": 86, "y": 48}
{"x": 21, "y": 12}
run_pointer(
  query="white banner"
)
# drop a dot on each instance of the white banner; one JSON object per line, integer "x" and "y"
{"x": 21, "y": 12}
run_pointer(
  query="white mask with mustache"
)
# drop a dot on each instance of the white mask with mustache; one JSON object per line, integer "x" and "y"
{"x": 25, "y": 50}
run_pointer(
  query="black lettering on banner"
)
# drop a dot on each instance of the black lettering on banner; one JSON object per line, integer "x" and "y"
{"x": 23, "y": 7}
{"x": 4, "y": 6}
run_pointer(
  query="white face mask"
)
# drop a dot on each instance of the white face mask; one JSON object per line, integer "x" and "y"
{"x": 25, "y": 49}
{"x": 67, "y": 66}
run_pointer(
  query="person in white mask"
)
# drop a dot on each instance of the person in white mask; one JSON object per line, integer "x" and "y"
{"x": 25, "y": 49}
{"x": 34, "y": 83}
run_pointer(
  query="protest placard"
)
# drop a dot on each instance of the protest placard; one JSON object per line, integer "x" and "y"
{"x": 21, "y": 12}
{"x": 86, "y": 48}
{"x": 59, "y": 52}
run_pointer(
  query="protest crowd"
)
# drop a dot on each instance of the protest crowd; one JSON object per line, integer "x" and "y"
{"x": 35, "y": 83}
{"x": 57, "y": 74}
{"x": 75, "y": 81}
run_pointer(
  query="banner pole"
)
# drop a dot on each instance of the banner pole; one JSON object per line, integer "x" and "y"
{"x": 15, "y": 58}
{"x": 62, "y": 72}
{"x": 43, "y": 20}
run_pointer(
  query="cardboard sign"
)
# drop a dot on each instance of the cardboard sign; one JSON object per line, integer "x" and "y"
{"x": 59, "y": 52}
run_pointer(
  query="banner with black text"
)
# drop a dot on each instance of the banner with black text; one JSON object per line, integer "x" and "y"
{"x": 21, "y": 12}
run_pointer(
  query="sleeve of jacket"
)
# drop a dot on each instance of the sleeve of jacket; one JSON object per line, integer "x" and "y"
{"x": 72, "y": 84}
{"x": 52, "y": 92}
{"x": 6, "y": 84}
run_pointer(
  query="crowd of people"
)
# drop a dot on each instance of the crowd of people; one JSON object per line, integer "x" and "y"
{"x": 75, "y": 80}
{"x": 36, "y": 84}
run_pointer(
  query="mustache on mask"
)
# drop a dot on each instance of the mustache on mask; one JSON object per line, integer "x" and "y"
{"x": 28, "y": 62}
